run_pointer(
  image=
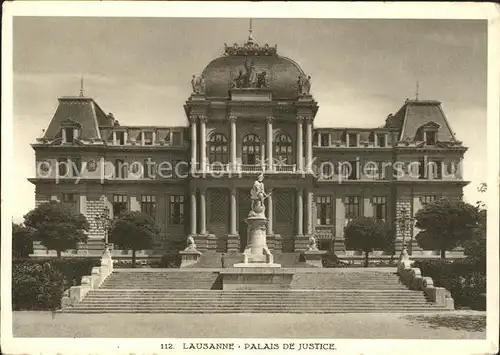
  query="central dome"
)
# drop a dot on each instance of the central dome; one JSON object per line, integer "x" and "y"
{"x": 282, "y": 73}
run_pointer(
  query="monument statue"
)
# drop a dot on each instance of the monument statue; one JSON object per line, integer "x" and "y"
{"x": 198, "y": 84}
{"x": 258, "y": 195}
{"x": 304, "y": 85}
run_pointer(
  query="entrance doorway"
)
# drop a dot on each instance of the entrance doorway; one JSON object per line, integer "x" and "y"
{"x": 244, "y": 204}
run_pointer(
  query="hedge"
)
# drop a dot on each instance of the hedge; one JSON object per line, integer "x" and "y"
{"x": 38, "y": 284}
{"x": 465, "y": 279}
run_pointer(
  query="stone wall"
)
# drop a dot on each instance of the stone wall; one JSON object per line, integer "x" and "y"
{"x": 95, "y": 208}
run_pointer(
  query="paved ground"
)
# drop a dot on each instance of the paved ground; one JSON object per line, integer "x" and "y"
{"x": 367, "y": 326}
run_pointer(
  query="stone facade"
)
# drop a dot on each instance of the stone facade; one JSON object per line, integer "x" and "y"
{"x": 232, "y": 136}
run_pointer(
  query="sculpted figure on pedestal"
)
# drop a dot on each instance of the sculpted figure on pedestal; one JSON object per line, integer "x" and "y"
{"x": 258, "y": 195}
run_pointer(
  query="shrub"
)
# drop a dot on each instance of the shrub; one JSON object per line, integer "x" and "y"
{"x": 170, "y": 260}
{"x": 465, "y": 279}
{"x": 36, "y": 286}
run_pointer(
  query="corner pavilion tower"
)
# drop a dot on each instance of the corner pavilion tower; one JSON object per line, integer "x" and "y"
{"x": 251, "y": 111}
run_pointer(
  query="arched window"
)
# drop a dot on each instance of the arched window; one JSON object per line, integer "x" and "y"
{"x": 251, "y": 149}
{"x": 218, "y": 149}
{"x": 283, "y": 149}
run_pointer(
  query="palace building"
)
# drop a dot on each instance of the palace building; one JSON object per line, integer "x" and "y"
{"x": 251, "y": 111}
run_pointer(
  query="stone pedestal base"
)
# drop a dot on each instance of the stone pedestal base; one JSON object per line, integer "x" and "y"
{"x": 256, "y": 279}
{"x": 233, "y": 243}
{"x": 301, "y": 242}
{"x": 314, "y": 257}
{"x": 189, "y": 257}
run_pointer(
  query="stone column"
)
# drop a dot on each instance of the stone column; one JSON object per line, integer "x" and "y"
{"x": 203, "y": 143}
{"x": 203, "y": 214}
{"x": 270, "y": 227}
{"x": 367, "y": 207}
{"x": 309, "y": 212}
{"x": 300, "y": 144}
{"x": 232, "y": 121}
{"x": 339, "y": 217}
{"x": 193, "y": 212}
{"x": 63, "y": 132}
{"x": 300, "y": 212}
{"x": 309, "y": 143}
{"x": 82, "y": 208}
{"x": 192, "y": 120}
{"x": 114, "y": 138}
{"x": 233, "y": 208}
{"x": 269, "y": 120}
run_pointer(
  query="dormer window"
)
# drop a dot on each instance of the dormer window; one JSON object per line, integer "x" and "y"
{"x": 70, "y": 137}
{"x": 120, "y": 138}
{"x": 176, "y": 138}
{"x": 429, "y": 132}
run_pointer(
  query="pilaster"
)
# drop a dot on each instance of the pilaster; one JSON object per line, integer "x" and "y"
{"x": 269, "y": 142}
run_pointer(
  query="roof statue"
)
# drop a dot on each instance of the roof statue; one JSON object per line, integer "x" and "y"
{"x": 304, "y": 84}
{"x": 198, "y": 84}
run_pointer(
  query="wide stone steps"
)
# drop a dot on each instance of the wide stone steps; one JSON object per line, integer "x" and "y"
{"x": 184, "y": 301}
{"x": 211, "y": 259}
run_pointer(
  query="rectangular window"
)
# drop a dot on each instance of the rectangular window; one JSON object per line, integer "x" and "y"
{"x": 353, "y": 173}
{"x": 69, "y": 199}
{"x": 353, "y": 139}
{"x": 422, "y": 170}
{"x": 380, "y": 208}
{"x": 430, "y": 138}
{"x": 148, "y": 138}
{"x": 176, "y": 138}
{"x": 148, "y": 205}
{"x": 76, "y": 166}
{"x": 325, "y": 139}
{"x": 427, "y": 199}
{"x": 177, "y": 209}
{"x": 381, "y": 141}
{"x": 69, "y": 135}
{"x": 120, "y": 169}
{"x": 149, "y": 168}
{"x": 437, "y": 169}
{"x": 316, "y": 139}
{"x": 352, "y": 207}
{"x": 120, "y": 138}
{"x": 324, "y": 210}
{"x": 62, "y": 167}
{"x": 120, "y": 204}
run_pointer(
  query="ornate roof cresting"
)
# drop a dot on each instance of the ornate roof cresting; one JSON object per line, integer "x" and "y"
{"x": 250, "y": 48}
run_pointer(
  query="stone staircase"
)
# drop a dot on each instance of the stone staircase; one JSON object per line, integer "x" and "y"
{"x": 199, "y": 291}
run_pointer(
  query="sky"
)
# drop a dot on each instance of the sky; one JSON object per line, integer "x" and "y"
{"x": 140, "y": 70}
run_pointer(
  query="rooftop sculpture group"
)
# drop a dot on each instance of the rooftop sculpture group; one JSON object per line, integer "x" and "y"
{"x": 249, "y": 48}
{"x": 250, "y": 78}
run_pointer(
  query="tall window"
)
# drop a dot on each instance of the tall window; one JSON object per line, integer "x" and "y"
{"x": 149, "y": 169}
{"x": 324, "y": 208}
{"x": 436, "y": 169}
{"x": 176, "y": 138}
{"x": 120, "y": 204}
{"x": 251, "y": 149}
{"x": 284, "y": 149}
{"x": 69, "y": 199}
{"x": 120, "y": 169}
{"x": 62, "y": 167}
{"x": 352, "y": 207}
{"x": 325, "y": 139}
{"x": 380, "y": 208}
{"x": 422, "y": 170}
{"x": 148, "y": 205}
{"x": 381, "y": 140}
{"x": 148, "y": 138}
{"x": 430, "y": 138}
{"x": 76, "y": 166}
{"x": 352, "y": 139}
{"x": 120, "y": 138}
{"x": 69, "y": 135}
{"x": 177, "y": 209}
{"x": 218, "y": 148}
{"x": 352, "y": 170}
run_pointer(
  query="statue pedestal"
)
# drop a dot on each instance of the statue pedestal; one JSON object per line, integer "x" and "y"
{"x": 189, "y": 257}
{"x": 257, "y": 254}
{"x": 314, "y": 257}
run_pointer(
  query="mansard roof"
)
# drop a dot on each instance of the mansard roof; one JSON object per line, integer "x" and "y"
{"x": 81, "y": 110}
{"x": 417, "y": 114}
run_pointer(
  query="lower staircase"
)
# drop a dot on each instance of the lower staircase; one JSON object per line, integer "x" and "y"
{"x": 200, "y": 291}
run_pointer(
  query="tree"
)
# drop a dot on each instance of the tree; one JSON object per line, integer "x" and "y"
{"x": 446, "y": 224}
{"x": 22, "y": 241}
{"x": 133, "y": 231}
{"x": 367, "y": 234}
{"x": 57, "y": 227}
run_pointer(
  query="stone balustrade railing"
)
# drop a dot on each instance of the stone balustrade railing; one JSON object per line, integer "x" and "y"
{"x": 90, "y": 282}
{"x": 412, "y": 278}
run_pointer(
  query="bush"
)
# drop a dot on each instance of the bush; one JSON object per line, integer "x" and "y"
{"x": 171, "y": 260}
{"x": 465, "y": 279}
{"x": 36, "y": 286}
